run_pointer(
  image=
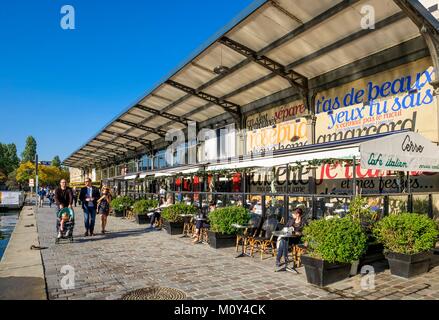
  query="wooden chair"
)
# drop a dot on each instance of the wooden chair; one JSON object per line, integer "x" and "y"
{"x": 263, "y": 242}
{"x": 188, "y": 227}
{"x": 204, "y": 235}
{"x": 244, "y": 240}
{"x": 297, "y": 251}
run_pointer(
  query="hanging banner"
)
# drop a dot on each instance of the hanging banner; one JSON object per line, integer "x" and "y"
{"x": 395, "y": 100}
{"x": 278, "y": 128}
{"x": 401, "y": 152}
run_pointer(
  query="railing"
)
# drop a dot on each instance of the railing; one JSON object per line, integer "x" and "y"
{"x": 316, "y": 206}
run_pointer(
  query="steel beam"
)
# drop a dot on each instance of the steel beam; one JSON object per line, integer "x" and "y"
{"x": 163, "y": 114}
{"x": 142, "y": 127}
{"x": 128, "y": 137}
{"x": 295, "y": 79}
{"x": 231, "y": 107}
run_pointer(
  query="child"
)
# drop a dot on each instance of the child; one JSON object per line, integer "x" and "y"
{"x": 64, "y": 218}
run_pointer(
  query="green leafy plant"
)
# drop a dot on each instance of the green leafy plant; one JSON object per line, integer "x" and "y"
{"x": 361, "y": 212}
{"x": 407, "y": 233}
{"x": 174, "y": 212}
{"x": 221, "y": 220}
{"x": 142, "y": 206}
{"x": 122, "y": 203}
{"x": 336, "y": 240}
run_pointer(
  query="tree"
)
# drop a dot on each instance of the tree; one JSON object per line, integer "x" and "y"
{"x": 12, "y": 182}
{"x": 56, "y": 162}
{"x": 30, "y": 150}
{"x": 47, "y": 175}
{"x": 8, "y": 158}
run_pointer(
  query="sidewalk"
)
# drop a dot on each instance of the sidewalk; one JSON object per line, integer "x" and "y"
{"x": 130, "y": 258}
{"x": 21, "y": 269}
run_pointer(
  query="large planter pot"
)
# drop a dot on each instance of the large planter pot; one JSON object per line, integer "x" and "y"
{"x": 322, "y": 273}
{"x": 173, "y": 228}
{"x": 219, "y": 240}
{"x": 408, "y": 266}
{"x": 142, "y": 219}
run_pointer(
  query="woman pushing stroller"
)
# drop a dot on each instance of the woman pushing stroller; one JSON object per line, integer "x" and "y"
{"x": 64, "y": 200}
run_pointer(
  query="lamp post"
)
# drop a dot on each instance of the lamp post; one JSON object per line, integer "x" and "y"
{"x": 36, "y": 178}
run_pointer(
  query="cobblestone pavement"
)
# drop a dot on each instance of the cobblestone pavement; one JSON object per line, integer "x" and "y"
{"x": 130, "y": 258}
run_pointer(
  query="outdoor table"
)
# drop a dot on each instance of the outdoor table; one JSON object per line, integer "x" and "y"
{"x": 244, "y": 238}
{"x": 286, "y": 235}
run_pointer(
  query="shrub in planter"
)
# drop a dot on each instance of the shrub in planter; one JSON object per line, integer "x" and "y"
{"x": 333, "y": 245}
{"x": 141, "y": 208}
{"x": 360, "y": 211}
{"x": 172, "y": 216}
{"x": 408, "y": 239}
{"x": 121, "y": 204}
{"x": 222, "y": 233}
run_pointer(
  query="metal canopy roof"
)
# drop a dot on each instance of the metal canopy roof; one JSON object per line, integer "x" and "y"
{"x": 274, "y": 45}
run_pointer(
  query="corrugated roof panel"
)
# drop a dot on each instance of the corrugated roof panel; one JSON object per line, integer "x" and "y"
{"x": 330, "y": 32}
{"x": 388, "y": 37}
{"x": 219, "y": 54}
{"x": 244, "y": 76}
{"x": 263, "y": 90}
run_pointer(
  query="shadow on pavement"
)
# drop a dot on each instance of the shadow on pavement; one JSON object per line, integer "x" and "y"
{"x": 113, "y": 235}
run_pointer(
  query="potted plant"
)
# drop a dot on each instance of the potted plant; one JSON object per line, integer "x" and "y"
{"x": 172, "y": 219}
{"x": 408, "y": 240}
{"x": 222, "y": 233}
{"x": 141, "y": 209}
{"x": 360, "y": 210}
{"x": 332, "y": 246}
{"x": 120, "y": 205}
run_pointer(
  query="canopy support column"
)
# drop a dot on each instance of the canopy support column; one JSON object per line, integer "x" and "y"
{"x": 354, "y": 176}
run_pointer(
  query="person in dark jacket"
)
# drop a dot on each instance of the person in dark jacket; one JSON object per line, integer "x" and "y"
{"x": 63, "y": 196}
{"x": 89, "y": 197}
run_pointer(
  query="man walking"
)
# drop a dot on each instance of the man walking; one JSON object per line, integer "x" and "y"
{"x": 89, "y": 197}
{"x": 41, "y": 196}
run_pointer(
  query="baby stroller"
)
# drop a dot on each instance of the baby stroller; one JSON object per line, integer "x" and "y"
{"x": 68, "y": 225}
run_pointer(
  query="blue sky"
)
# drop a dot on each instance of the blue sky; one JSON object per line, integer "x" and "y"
{"x": 63, "y": 86}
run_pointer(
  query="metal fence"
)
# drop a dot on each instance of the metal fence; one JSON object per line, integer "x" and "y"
{"x": 315, "y": 206}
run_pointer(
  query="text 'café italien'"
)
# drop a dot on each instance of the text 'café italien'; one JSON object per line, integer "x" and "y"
{"x": 301, "y": 90}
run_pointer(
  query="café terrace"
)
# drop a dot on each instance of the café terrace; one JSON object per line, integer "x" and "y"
{"x": 294, "y": 101}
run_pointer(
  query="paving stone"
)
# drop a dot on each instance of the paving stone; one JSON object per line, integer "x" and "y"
{"x": 129, "y": 258}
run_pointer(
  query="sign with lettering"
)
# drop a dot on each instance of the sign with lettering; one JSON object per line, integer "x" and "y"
{"x": 278, "y": 128}
{"x": 395, "y": 100}
{"x": 400, "y": 152}
{"x": 337, "y": 179}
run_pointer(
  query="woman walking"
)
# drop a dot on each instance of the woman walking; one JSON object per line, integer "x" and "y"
{"x": 104, "y": 207}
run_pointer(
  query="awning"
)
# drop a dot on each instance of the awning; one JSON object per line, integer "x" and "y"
{"x": 400, "y": 152}
{"x": 144, "y": 175}
{"x": 268, "y": 162}
{"x": 132, "y": 177}
{"x": 163, "y": 174}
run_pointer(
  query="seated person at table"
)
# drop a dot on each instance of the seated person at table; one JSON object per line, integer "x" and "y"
{"x": 297, "y": 223}
{"x": 157, "y": 215}
{"x": 201, "y": 222}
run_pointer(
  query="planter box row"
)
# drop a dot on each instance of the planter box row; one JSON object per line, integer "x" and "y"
{"x": 322, "y": 273}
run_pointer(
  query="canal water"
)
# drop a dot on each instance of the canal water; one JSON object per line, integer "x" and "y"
{"x": 8, "y": 220}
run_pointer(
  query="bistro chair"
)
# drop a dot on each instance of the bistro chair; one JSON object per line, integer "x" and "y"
{"x": 264, "y": 241}
{"x": 188, "y": 227}
{"x": 297, "y": 251}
